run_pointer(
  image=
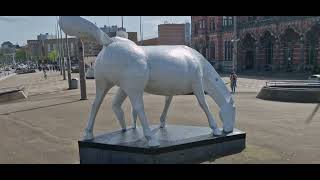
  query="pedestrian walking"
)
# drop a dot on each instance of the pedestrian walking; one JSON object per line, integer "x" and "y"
{"x": 233, "y": 81}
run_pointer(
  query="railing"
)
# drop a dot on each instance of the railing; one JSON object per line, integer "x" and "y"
{"x": 293, "y": 83}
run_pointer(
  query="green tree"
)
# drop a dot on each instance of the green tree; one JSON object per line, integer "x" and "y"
{"x": 2, "y": 58}
{"x": 20, "y": 55}
{"x": 52, "y": 56}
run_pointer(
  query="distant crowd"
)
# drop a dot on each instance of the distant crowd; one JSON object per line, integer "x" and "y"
{"x": 48, "y": 67}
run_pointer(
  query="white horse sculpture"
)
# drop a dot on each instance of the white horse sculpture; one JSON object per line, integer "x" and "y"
{"x": 159, "y": 70}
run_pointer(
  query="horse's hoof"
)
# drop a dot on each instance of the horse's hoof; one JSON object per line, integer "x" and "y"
{"x": 162, "y": 125}
{"x": 88, "y": 136}
{"x": 227, "y": 132}
{"x": 217, "y": 132}
{"x": 153, "y": 143}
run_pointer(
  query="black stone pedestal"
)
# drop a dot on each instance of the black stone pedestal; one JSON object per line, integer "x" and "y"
{"x": 179, "y": 145}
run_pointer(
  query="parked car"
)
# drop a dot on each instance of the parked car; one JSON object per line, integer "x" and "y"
{"x": 315, "y": 77}
{"x": 90, "y": 73}
{"x": 25, "y": 71}
{"x": 75, "y": 69}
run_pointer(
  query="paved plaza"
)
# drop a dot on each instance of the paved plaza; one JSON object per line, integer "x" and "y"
{"x": 46, "y": 126}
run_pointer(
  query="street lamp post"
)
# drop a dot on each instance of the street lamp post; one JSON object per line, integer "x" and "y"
{"x": 68, "y": 62}
{"x": 83, "y": 88}
{"x": 62, "y": 56}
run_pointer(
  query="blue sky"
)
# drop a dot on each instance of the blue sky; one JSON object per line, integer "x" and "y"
{"x": 19, "y": 29}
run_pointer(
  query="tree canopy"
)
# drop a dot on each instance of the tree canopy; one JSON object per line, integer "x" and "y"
{"x": 52, "y": 56}
{"x": 20, "y": 55}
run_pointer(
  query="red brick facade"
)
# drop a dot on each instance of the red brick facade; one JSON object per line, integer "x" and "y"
{"x": 171, "y": 34}
{"x": 277, "y": 43}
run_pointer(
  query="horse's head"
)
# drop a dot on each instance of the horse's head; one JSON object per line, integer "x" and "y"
{"x": 227, "y": 116}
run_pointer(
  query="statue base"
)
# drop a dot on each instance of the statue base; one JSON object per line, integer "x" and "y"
{"x": 178, "y": 145}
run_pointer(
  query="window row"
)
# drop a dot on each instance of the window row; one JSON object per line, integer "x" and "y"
{"x": 227, "y": 21}
{"x": 201, "y": 24}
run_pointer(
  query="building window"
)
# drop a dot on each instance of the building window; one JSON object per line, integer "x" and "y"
{"x": 269, "y": 53}
{"x": 203, "y": 24}
{"x": 311, "y": 55}
{"x": 230, "y": 20}
{"x": 200, "y": 24}
{"x": 49, "y": 49}
{"x": 224, "y": 21}
{"x": 212, "y": 26}
{"x": 212, "y": 50}
{"x": 195, "y": 28}
{"x": 227, "y": 21}
{"x": 228, "y": 50}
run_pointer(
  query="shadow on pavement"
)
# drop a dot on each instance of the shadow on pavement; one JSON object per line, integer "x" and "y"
{"x": 309, "y": 119}
{"x": 35, "y": 108}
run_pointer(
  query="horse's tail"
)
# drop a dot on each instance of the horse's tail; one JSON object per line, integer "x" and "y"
{"x": 83, "y": 29}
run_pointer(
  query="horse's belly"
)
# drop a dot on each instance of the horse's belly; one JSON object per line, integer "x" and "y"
{"x": 169, "y": 79}
{"x": 168, "y": 88}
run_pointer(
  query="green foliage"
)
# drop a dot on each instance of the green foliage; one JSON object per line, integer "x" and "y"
{"x": 52, "y": 56}
{"x": 20, "y": 55}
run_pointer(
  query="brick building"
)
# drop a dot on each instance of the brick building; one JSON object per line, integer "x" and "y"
{"x": 173, "y": 34}
{"x": 259, "y": 43}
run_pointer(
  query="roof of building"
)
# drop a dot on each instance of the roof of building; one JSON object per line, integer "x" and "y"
{"x": 7, "y": 43}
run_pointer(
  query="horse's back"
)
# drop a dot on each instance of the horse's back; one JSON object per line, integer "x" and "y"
{"x": 172, "y": 69}
{"x": 121, "y": 61}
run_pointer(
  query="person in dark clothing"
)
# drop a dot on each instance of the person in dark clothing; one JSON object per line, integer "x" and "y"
{"x": 233, "y": 81}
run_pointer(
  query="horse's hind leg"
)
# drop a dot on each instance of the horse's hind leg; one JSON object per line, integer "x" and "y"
{"x": 165, "y": 111}
{"x": 136, "y": 99}
{"x": 118, "y": 100}
{"x": 102, "y": 87}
